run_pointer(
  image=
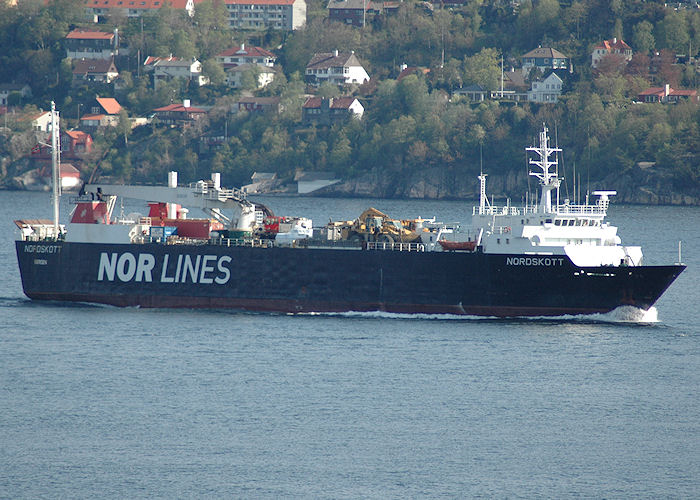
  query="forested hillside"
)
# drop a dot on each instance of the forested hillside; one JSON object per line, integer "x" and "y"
{"x": 414, "y": 131}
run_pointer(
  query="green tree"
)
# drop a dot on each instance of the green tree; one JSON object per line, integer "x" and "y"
{"x": 483, "y": 69}
{"x": 643, "y": 37}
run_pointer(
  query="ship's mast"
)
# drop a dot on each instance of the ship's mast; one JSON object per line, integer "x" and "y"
{"x": 548, "y": 179}
{"x": 55, "y": 166}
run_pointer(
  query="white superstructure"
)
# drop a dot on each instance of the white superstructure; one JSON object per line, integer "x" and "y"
{"x": 549, "y": 227}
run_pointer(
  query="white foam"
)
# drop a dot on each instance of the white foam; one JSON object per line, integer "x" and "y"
{"x": 622, "y": 314}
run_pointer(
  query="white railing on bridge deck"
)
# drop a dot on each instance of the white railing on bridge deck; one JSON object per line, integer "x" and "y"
{"x": 598, "y": 209}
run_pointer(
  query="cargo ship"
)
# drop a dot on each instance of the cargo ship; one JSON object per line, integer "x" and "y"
{"x": 546, "y": 258}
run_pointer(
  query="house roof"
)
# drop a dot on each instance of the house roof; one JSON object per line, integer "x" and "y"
{"x": 89, "y": 35}
{"x": 152, "y": 60}
{"x": 92, "y": 118}
{"x": 661, "y": 92}
{"x": 78, "y": 135}
{"x": 174, "y": 63}
{"x": 68, "y": 169}
{"x": 350, "y": 4}
{"x": 551, "y": 76}
{"x": 652, "y": 91}
{"x": 269, "y": 101}
{"x": 684, "y": 92}
{"x": 260, "y": 2}
{"x": 263, "y": 176}
{"x": 315, "y": 176}
{"x": 179, "y": 108}
{"x": 325, "y": 60}
{"x": 514, "y": 79}
{"x": 335, "y": 102}
{"x": 412, "y": 70}
{"x": 12, "y": 87}
{"x": 81, "y": 66}
{"x": 110, "y": 105}
{"x": 613, "y": 44}
{"x": 545, "y": 52}
{"x": 136, "y": 4}
{"x": 246, "y": 52}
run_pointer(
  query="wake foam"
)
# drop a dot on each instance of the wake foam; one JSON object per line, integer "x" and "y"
{"x": 622, "y": 314}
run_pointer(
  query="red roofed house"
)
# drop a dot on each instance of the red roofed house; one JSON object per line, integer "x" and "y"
{"x": 326, "y": 111}
{"x": 74, "y": 145}
{"x": 340, "y": 68}
{"x": 613, "y": 46}
{"x": 666, "y": 94}
{"x": 94, "y": 70}
{"x": 97, "y": 9}
{"x": 178, "y": 114}
{"x": 105, "y": 113}
{"x": 85, "y": 44}
{"x": 411, "y": 70}
{"x": 246, "y": 55}
{"x": 265, "y": 14}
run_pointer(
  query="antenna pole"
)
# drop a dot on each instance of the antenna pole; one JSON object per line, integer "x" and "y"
{"x": 55, "y": 166}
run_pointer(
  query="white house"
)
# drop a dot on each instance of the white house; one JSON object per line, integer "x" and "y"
{"x": 246, "y": 55}
{"x": 546, "y": 91}
{"x": 235, "y": 75}
{"x": 613, "y": 46}
{"x": 169, "y": 68}
{"x": 340, "y": 68}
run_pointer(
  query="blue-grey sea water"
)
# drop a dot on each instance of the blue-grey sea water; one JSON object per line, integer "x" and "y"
{"x": 133, "y": 403}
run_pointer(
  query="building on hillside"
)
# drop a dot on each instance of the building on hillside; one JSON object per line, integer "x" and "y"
{"x": 86, "y": 71}
{"x": 260, "y": 105}
{"x": 246, "y": 55}
{"x": 178, "y": 114}
{"x": 262, "y": 182}
{"x": 411, "y": 70}
{"x": 235, "y": 75}
{"x": 39, "y": 122}
{"x": 75, "y": 144}
{"x": 339, "y": 68}
{"x": 21, "y": 90}
{"x": 285, "y": 15}
{"x": 474, "y": 92}
{"x": 353, "y": 12}
{"x": 308, "y": 182}
{"x": 326, "y": 111}
{"x": 103, "y": 113}
{"x": 546, "y": 91}
{"x": 88, "y": 44}
{"x": 544, "y": 59}
{"x": 98, "y": 10}
{"x": 166, "y": 69}
{"x": 613, "y": 46}
{"x": 667, "y": 95}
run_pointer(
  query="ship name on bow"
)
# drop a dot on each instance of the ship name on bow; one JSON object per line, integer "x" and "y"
{"x": 535, "y": 261}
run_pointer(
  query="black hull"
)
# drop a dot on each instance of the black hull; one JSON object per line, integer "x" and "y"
{"x": 332, "y": 280}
